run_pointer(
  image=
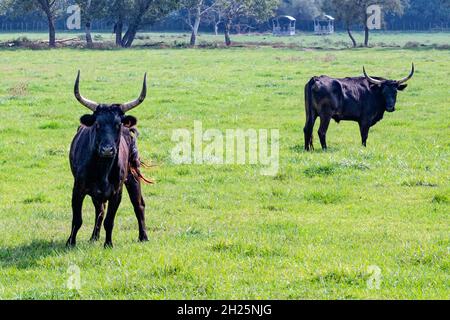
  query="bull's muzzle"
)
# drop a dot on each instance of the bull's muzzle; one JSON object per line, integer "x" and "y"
{"x": 107, "y": 151}
{"x": 390, "y": 108}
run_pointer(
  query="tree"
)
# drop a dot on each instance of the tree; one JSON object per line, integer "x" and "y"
{"x": 50, "y": 8}
{"x": 214, "y": 17}
{"x": 194, "y": 11}
{"x": 387, "y": 6}
{"x": 344, "y": 11}
{"x": 301, "y": 9}
{"x": 433, "y": 12}
{"x": 355, "y": 12}
{"x": 232, "y": 10}
{"x": 91, "y": 9}
{"x": 117, "y": 10}
{"x": 137, "y": 13}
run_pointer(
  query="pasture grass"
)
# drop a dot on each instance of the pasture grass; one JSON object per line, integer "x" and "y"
{"x": 225, "y": 231}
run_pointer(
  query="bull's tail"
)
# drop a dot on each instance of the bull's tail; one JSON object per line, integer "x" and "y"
{"x": 310, "y": 115}
{"x": 137, "y": 175}
{"x": 145, "y": 165}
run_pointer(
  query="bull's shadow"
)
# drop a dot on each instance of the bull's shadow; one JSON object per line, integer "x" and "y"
{"x": 27, "y": 255}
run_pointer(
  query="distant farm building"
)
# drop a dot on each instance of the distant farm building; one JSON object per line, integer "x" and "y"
{"x": 324, "y": 24}
{"x": 284, "y": 26}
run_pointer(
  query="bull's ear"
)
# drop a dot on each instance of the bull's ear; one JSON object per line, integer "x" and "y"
{"x": 402, "y": 87}
{"x": 88, "y": 120}
{"x": 129, "y": 121}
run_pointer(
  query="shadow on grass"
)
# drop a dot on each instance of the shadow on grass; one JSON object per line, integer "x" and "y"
{"x": 27, "y": 255}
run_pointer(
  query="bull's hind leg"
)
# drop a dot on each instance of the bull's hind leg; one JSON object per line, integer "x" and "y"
{"x": 308, "y": 132}
{"x": 99, "y": 215}
{"x": 77, "y": 221}
{"x": 134, "y": 191}
{"x": 324, "y": 122}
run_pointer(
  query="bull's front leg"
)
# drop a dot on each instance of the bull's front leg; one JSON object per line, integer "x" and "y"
{"x": 113, "y": 205}
{"x": 99, "y": 214}
{"x": 364, "y": 130}
{"x": 77, "y": 204}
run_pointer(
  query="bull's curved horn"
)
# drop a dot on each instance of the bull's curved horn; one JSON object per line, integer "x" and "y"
{"x": 133, "y": 104}
{"x": 91, "y": 105}
{"x": 408, "y": 77}
{"x": 372, "y": 80}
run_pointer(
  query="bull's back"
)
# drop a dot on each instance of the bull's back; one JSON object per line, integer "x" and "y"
{"x": 342, "y": 98}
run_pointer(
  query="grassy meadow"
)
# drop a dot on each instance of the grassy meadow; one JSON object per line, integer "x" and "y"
{"x": 316, "y": 230}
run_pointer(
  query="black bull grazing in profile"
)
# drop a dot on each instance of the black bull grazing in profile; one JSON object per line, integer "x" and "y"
{"x": 104, "y": 157}
{"x": 360, "y": 99}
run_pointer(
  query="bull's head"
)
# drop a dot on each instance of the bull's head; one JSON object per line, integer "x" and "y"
{"x": 108, "y": 120}
{"x": 389, "y": 88}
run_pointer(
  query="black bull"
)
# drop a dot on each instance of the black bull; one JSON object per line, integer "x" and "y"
{"x": 104, "y": 157}
{"x": 360, "y": 99}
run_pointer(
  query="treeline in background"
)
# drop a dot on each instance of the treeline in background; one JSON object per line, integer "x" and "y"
{"x": 125, "y": 18}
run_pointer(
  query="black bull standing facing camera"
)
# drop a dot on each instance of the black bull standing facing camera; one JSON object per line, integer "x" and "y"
{"x": 104, "y": 157}
{"x": 360, "y": 99}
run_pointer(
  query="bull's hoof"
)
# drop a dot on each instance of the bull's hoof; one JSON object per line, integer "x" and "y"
{"x": 70, "y": 243}
{"x": 94, "y": 238}
{"x": 309, "y": 147}
{"x": 143, "y": 238}
{"x": 108, "y": 245}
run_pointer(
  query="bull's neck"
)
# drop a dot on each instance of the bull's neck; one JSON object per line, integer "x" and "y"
{"x": 378, "y": 109}
{"x": 103, "y": 167}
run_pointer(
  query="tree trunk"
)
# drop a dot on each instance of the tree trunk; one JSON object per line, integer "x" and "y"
{"x": 216, "y": 28}
{"x": 351, "y": 36}
{"x": 366, "y": 36}
{"x": 133, "y": 27}
{"x": 51, "y": 32}
{"x": 193, "y": 38}
{"x": 118, "y": 29}
{"x": 88, "y": 33}
{"x": 129, "y": 36}
{"x": 227, "y": 32}
{"x": 47, "y": 8}
{"x": 366, "y": 32}
{"x": 195, "y": 26}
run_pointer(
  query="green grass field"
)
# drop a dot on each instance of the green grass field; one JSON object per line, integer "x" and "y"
{"x": 314, "y": 231}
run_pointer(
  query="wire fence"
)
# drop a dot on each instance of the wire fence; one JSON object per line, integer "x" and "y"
{"x": 306, "y": 26}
